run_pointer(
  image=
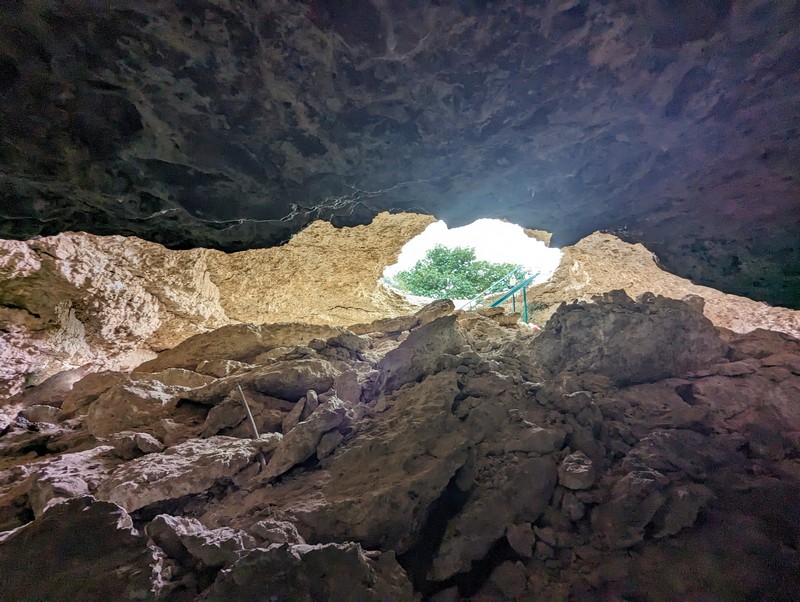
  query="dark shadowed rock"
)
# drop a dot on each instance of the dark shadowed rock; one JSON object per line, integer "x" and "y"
{"x": 79, "y": 550}
{"x": 321, "y": 572}
{"x": 628, "y": 341}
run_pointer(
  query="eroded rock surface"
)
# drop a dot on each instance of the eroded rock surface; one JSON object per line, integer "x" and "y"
{"x": 470, "y": 459}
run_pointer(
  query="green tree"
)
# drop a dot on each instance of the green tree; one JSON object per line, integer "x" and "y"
{"x": 450, "y": 274}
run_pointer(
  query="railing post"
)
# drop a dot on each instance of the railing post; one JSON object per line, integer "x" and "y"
{"x": 525, "y": 304}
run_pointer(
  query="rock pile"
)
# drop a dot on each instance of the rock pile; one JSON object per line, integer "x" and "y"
{"x": 627, "y": 451}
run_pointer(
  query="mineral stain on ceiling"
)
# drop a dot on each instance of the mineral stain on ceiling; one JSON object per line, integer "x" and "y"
{"x": 232, "y": 125}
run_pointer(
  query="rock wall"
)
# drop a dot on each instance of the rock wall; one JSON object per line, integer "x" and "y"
{"x": 602, "y": 262}
{"x": 82, "y": 302}
{"x": 433, "y": 456}
{"x": 76, "y": 299}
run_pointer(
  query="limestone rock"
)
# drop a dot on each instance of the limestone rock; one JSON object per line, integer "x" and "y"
{"x": 129, "y": 445}
{"x": 276, "y": 531}
{"x": 221, "y": 367}
{"x": 239, "y": 342}
{"x": 420, "y": 354}
{"x": 301, "y": 442}
{"x": 327, "y": 443}
{"x": 288, "y": 380}
{"x": 645, "y": 340}
{"x": 521, "y": 538}
{"x": 180, "y": 536}
{"x": 321, "y": 572}
{"x": 131, "y": 406}
{"x": 577, "y": 471}
{"x": 635, "y": 499}
{"x": 42, "y": 413}
{"x": 81, "y": 549}
{"x": 293, "y": 417}
{"x": 191, "y": 467}
{"x": 516, "y": 492}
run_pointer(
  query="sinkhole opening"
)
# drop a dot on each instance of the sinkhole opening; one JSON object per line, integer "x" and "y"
{"x": 486, "y": 263}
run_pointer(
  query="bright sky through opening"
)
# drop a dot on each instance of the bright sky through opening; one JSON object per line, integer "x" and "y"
{"x": 492, "y": 239}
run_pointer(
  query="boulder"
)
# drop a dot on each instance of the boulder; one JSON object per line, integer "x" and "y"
{"x": 81, "y": 549}
{"x": 188, "y": 468}
{"x": 239, "y": 342}
{"x": 301, "y": 442}
{"x": 180, "y": 537}
{"x": 333, "y": 571}
{"x": 577, "y": 472}
{"x": 628, "y": 341}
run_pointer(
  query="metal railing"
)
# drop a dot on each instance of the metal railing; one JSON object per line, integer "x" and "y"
{"x": 507, "y": 287}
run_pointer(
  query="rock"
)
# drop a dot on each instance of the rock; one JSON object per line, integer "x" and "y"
{"x": 301, "y": 442}
{"x": 420, "y": 354}
{"x": 321, "y": 572}
{"x": 521, "y": 538}
{"x": 434, "y": 310}
{"x": 577, "y": 471}
{"x": 515, "y": 492}
{"x": 52, "y": 559}
{"x": 129, "y": 445}
{"x": 191, "y": 467}
{"x": 221, "y": 368}
{"x": 276, "y": 531}
{"x": 180, "y": 537}
{"x": 131, "y": 406}
{"x": 684, "y": 503}
{"x": 328, "y": 443}
{"x": 386, "y": 326}
{"x": 736, "y": 368}
{"x": 42, "y": 413}
{"x": 646, "y": 340}
{"x": 71, "y": 475}
{"x": 378, "y": 487}
{"x": 510, "y": 579}
{"x": 293, "y": 417}
{"x": 225, "y": 415}
{"x": 238, "y": 342}
{"x": 288, "y": 380}
{"x": 635, "y": 499}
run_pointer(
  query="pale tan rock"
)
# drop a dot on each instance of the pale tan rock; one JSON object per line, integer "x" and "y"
{"x": 220, "y": 368}
{"x": 111, "y": 302}
{"x": 131, "y": 406}
{"x": 601, "y": 263}
{"x": 328, "y": 443}
{"x": 293, "y": 417}
{"x": 289, "y": 380}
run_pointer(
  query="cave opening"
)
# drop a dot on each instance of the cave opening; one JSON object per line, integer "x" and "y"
{"x": 494, "y": 241}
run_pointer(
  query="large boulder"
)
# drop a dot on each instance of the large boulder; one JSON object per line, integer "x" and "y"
{"x": 333, "y": 571}
{"x": 188, "y": 468}
{"x": 628, "y": 341}
{"x": 81, "y": 549}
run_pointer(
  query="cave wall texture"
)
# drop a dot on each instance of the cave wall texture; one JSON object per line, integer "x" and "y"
{"x": 233, "y": 124}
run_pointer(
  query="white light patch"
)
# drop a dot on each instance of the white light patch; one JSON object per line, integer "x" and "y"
{"x": 492, "y": 239}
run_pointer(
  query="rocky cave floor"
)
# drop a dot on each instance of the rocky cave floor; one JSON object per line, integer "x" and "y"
{"x": 628, "y": 451}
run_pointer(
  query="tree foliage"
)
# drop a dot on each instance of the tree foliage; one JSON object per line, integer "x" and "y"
{"x": 450, "y": 274}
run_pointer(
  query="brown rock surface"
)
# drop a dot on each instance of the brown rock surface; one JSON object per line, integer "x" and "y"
{"x": 466, "y": 469}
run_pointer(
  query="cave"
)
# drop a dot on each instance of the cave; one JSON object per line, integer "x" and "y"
{"x": 210, "y": 391}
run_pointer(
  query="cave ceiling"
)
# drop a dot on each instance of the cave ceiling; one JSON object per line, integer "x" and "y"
{"x": 232, "y": 124}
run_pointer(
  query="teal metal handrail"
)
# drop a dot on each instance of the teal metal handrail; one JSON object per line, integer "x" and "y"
{"x": 502, "y": 286}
